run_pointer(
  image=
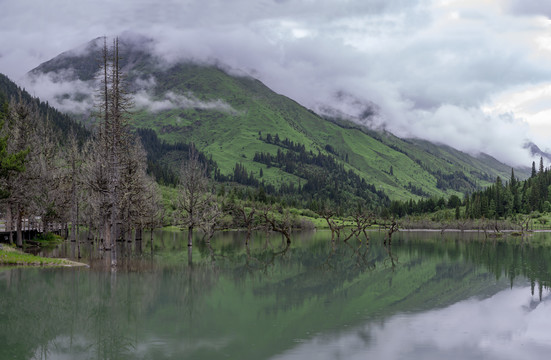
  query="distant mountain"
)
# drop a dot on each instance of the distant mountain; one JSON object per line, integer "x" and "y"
{"x": 535, "y": 151}
{"x": 236, "y": 120}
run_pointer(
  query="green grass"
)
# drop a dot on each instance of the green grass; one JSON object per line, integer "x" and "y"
{"x": 11, "y": 256}
{"x": 233, "y": 137}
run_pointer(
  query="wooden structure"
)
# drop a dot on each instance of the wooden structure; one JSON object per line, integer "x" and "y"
{"x": 29, "y": 231}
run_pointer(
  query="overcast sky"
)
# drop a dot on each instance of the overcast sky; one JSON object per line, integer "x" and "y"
{"x": 474, "y": 74}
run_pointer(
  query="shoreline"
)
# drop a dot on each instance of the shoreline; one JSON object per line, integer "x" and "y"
{"x": 15, "y": 257}
{"x": 476, "y": 230}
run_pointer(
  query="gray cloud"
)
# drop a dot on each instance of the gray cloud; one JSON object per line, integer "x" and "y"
{"x": 170, "y": 100}
{"x": 62, "y": 91}
{"x": 430, "y": 69}
{"x": 529, "y": 7}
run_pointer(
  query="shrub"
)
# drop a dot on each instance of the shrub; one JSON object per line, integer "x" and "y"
{"x": 48, "y": 237}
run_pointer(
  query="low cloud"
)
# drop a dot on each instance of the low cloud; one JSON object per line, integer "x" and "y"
{"x": 430, "y": 69}
{"x": 431, "y": 80}
{"x": 473, "y": 131}
{"x": 469, "y": 129}
{"x": 170, "y": 100}
{"x": 62, "y": 91}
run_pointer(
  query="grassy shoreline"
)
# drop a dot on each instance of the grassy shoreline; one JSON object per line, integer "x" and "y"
{"x": 10, "y": 256}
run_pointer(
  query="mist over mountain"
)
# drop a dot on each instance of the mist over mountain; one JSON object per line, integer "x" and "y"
{"x": 473, "y": 75}
{"x": 65, "y": 81}
{"x": 537, "y": 152}
{"x": 228, "y": 113}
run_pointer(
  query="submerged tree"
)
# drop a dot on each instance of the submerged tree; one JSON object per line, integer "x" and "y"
{"x": 278, "y": 223}
{"x": 194, "y": 196}
{"x": 245, "y": 216}
{"x": 114, "y": 136}
{"x": 139, "y": 193}
{"x": 115, "y": 161}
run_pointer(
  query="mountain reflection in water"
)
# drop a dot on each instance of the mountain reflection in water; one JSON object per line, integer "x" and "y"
{"x": 429, "y": 296}
{"x": 509, "y": 325}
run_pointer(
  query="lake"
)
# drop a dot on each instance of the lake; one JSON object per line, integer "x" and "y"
{"x": 427, "y": 296}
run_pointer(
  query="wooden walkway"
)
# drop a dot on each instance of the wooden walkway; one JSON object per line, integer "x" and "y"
{"x": 28, "y": 233}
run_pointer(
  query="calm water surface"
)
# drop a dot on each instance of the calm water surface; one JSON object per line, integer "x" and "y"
{"x": 426, "y": 297}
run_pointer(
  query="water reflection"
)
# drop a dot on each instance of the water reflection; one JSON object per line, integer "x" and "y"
{"x": 226, "y": 299}
{"x": 509, "y": 325}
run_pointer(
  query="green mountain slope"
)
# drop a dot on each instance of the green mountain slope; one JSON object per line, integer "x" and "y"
{"x": 230, "y": 117}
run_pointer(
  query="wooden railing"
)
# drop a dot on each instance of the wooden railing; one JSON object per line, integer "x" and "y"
{"x": 30, "y": 229}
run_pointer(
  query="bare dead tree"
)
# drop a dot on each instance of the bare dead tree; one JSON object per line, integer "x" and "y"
{"x": 155, "y": 212}
{"x": 117, "y": 134}
{"x": 328, "y": 214}
{"x": 35, "y": 190}
{"x": 194, "y": 195}
{"x": 211, "y": 218}
{"x": 245, "y": 215}
{"x": 19, "y": 127}
{"x": 140, "y": 200}
{"x": 524, "y": 223}
{"x": 362, "y": 221}
{"x": 110, "y": 149}
{"x": 52, "y": 192}
{"x": 74, "y": 159}
{"x": 94, "y": 177}
{"x": 280, "y": 224}
{"x": 391, "y": 229}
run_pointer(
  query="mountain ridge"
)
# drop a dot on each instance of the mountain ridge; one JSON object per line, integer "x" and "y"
{"x": 228, "y": 116}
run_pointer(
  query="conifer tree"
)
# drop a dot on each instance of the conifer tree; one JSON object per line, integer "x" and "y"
{"x": 32, "y": 185}
{"x": 10, "y": 162}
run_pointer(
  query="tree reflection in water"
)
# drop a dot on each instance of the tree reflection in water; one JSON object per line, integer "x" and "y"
{"x": 255, "y": 301}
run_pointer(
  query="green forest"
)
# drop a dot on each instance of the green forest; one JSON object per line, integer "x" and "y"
{"x": 116, "y": 177}
{"x": 501, "y": 200}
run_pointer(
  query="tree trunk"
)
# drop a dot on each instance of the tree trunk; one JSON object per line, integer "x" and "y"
{"x": 151, "y": 241}
{"x": 190, "y": 236}
{"x": 89, "y": 233}
{"x": 117, "y": 235}
{"x": 9, "y": 222}
{"x": 248, "y": 235}
{"x": 114, "y": 228}
{"x": 127, "y": 234}
{"x": 73, "y": 235}
{"x": 77, "y": 239}
{"x": 107, "y": 235}
{"x": 19, "y": 227}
